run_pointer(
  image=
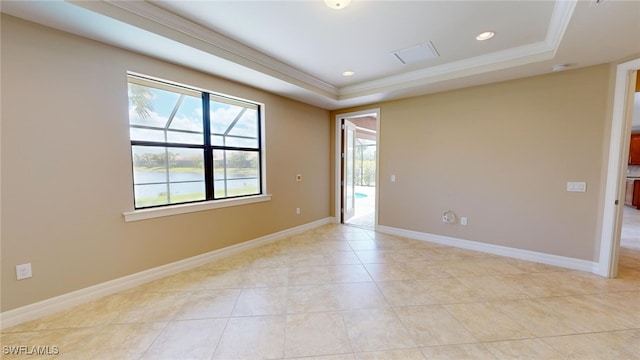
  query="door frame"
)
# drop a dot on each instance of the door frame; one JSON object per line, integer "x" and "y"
{"x": 349, "y": 138}
{"x": 614, "y": 187}
{"x": 338, "y": 159}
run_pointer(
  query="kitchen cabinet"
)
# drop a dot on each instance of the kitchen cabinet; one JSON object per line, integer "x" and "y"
{"x": 632, "y": 193}
{"x": 634, "y": 150}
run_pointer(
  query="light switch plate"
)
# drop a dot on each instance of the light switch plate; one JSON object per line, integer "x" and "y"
{"x": 576, "y": 186}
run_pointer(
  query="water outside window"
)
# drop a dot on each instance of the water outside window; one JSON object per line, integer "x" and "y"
{"x": 170, "y": 148}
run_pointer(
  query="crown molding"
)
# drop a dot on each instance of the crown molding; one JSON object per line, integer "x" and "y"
{"x": 562, "y": 12}
{"x": 516, "y": 56}
{"x": 490, "y": 62}
{"x": 149, "y": 17}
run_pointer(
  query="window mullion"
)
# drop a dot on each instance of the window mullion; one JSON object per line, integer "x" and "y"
{"x": 154, "y": 184}
{"x": 208, "y": 152}
{"x": 260, "y": 149}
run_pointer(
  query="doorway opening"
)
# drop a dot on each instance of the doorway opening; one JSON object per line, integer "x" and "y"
{"x": 617, "y": 166}
{"x": 358, "y": 168}
{"x": 630, "y": 232}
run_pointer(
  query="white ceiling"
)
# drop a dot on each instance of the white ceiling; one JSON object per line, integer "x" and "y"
{"x": 300, "y": 48}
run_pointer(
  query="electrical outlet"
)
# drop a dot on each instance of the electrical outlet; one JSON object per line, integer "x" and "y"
{"x": 23, "y": 271}
{"x": 297, "y": 211}
{"x": 463, "y": 220}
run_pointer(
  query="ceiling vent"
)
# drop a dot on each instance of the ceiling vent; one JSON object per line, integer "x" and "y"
{"x": 416, "y": 53}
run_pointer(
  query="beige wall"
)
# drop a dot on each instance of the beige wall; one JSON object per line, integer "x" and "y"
{"x": 500, "y": 155}
{"x": 66, "y": 167}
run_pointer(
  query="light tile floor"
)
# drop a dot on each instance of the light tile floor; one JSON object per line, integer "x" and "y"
{"x": 630, "y": 234}
{"x": 345, "y": 293}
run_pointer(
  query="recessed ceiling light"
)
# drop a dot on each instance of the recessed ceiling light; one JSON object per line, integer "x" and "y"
{"x": 337, "y": 4}
{"x": 485, "y": 35}
{"x": 348, "y": 73}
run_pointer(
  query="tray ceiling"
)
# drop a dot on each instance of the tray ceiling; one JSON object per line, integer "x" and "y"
{"x": 300, "y": 49}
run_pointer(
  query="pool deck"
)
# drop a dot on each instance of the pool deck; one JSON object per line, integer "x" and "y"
{"x": 365, "y": 208}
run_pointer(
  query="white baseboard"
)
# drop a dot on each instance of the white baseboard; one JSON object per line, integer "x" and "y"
{"x": 549, "y": 259}
{"x": 62, "y": 302}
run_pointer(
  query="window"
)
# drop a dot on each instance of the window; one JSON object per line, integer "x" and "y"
{"x": 191, "y": 146}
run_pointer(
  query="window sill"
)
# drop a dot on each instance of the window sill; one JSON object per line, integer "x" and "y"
{"x": 145, "y": 214}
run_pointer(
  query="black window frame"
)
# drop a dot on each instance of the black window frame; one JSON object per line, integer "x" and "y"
{"x": 207, "y": 147}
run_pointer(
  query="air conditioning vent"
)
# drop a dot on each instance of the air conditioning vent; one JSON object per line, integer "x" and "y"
{"x": 416, "y": 53}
